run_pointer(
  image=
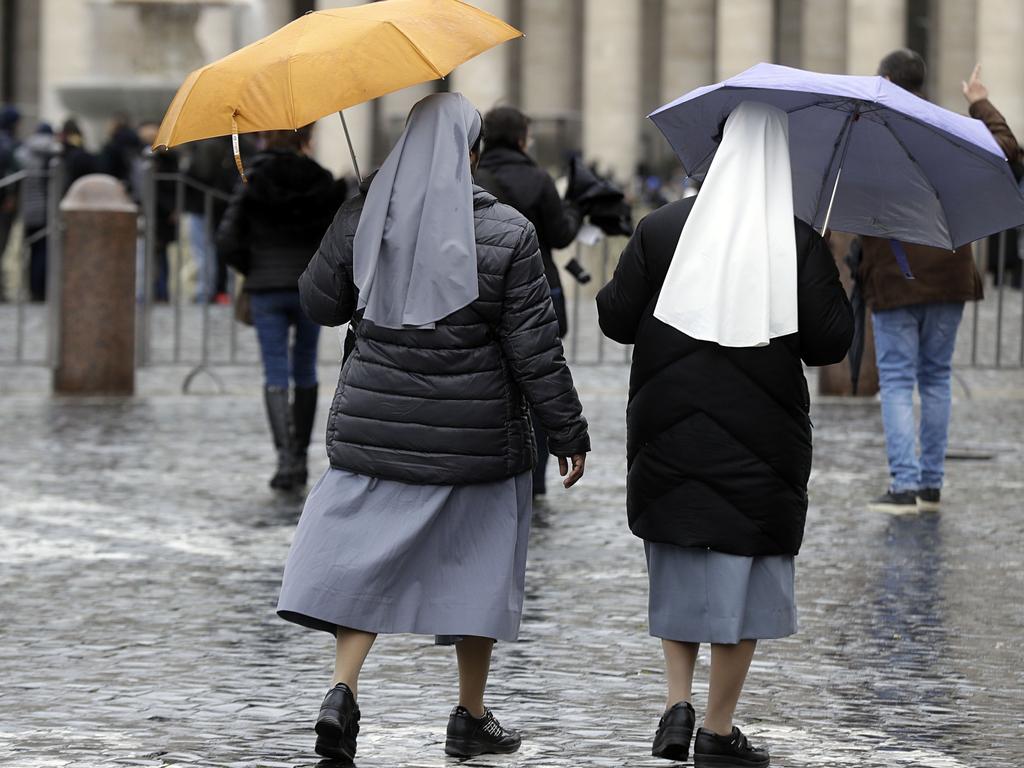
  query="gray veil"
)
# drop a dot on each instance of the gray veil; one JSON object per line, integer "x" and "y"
{"x": 414, "y": 253}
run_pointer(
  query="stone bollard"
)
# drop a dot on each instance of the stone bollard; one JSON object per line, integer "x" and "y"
{"x": 96, "y": 331}
{"x": 835, "y": 379}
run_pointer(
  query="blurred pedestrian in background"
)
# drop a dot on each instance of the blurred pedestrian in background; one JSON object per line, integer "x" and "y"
{"x": 118, "y": 155}
{"x": 724, "y": 295}
{"x": 9, "y": 118}
{"x": 421, "y": 523}
{"x": 982, "y": 109}
{"x": 915, "y": 325}
{"x": 165, "y": 228}
{"x": 508, "y": 172}
{"x": 76, "y": 160}
{"x": 210, "y": 163}
{"x": 34, "y": 156}
{"x": 271, "y": 230}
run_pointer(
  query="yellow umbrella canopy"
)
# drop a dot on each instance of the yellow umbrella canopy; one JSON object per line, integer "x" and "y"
{"x": 327, "y": 61}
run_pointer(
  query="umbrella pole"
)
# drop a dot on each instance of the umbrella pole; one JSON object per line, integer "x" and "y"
{"x": 352, "y": 151}
{"x": 828, "y": 214}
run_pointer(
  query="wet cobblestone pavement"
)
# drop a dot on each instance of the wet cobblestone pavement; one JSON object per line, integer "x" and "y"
{"x": 140, "y": 557}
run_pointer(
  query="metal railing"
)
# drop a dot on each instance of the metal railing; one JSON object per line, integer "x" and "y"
{"x": 204, "y": 337}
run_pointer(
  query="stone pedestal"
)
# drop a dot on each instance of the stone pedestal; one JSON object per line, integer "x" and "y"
{"x": 96, "y": 342}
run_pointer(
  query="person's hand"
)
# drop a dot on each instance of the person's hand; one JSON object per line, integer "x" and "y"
{"x": 571, "y": 478}
{"x": 578, "y": 271}
{"x": 974, "y": 89}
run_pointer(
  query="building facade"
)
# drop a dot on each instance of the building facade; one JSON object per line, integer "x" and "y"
{"x": 588, "y": 71}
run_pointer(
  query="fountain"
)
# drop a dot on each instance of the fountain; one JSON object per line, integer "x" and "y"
{"x": 141, "y": 52}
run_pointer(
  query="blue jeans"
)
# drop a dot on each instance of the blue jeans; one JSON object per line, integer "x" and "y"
{"x": 273, "y": 315}
{"x": 203, "y": 255}
{"x": 914, "y": 346}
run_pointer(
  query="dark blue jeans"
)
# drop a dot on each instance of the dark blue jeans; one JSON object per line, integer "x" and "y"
{"x": 273, "y": 315}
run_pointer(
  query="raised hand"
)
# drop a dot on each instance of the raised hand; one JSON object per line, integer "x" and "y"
{"x": 974, "y": 89}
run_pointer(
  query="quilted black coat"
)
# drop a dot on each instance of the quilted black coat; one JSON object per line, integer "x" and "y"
{"x": 719, "y": 439}
{"x": 448, "y": 406}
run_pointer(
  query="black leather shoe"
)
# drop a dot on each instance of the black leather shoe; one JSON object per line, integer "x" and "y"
{"x": 928, "y": 499}
{"x": 675, "y": 730}
{"x": 733, "y": 751}
{"x": 338, "y": 724}
{"x": 895, "y": 503}
{"x": 469, "y": 736}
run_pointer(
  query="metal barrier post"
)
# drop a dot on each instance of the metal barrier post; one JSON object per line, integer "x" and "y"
{"x": 574, "y": 345}
{"x": 54, "y": 257}
{"x": 144, "y": 319}
{"x": 19, "y": 297}
{"x": 1001, "y": 273}
{"x": 204, "y": 360}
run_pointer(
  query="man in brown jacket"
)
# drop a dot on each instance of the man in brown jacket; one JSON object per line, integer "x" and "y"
{"x": 916, "y": 321}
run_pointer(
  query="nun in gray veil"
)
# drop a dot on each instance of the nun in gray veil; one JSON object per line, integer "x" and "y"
{"x": 420, "y": 525}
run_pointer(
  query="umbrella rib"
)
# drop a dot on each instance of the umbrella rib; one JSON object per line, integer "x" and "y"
{"x": 924, "y": 175}
{"x": 416, "y": 48}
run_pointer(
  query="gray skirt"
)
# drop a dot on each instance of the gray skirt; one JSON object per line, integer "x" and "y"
{"x": 386, "y": 557}
{"x": 700, "y": 596}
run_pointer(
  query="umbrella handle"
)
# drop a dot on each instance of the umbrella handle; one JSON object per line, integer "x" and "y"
{"x": 237, "y": 149}
{"x": 351, "y": 149}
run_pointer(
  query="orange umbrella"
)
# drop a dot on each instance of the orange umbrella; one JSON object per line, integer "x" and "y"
{"x": 327, "y": 61}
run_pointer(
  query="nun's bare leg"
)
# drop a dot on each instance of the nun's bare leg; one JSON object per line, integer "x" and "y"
{"x": 474, "y": 654}
{"x": 729, "y": 665}
{"x": 680, "y": 659}
{"x": 352, "y": 646}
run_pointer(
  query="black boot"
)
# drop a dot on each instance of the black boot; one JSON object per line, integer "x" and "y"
{"x": 469, "y": 736}
{"x": 280, "y": 417}
{"x": 303, "y": 417}
{"x": 675, "y": 731}
{"x": 338, "y": 725}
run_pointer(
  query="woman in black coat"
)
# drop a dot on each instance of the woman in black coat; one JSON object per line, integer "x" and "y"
{"x": 723, "y": 295}
{"x": 421, "y": 523}
{"x": 269, "y": 233}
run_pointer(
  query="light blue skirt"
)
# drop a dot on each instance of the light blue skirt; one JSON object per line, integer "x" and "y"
{"x": 387, "y": 557}
{"x": 700, "y": 596}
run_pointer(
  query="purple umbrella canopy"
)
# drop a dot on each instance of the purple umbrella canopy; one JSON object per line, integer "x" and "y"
{"x": 906, "y": 169}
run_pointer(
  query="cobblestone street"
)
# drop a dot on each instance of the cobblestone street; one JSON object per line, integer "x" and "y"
{"x": 141, "y": 554}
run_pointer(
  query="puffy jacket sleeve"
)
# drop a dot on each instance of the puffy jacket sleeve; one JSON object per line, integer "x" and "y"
{"x": 621, "y": 303}
{"x": 528, "y": 333}
{"x": 824, "y": 315}
{"x": 326, "y": 289}
{"x": 232, "y": 236}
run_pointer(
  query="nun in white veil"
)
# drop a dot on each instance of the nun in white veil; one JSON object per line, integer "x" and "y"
{"x": 724, "y": 296}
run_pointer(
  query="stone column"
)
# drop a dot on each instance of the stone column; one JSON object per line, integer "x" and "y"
{"x": 1001, "y": 53}
{"x": 612, "y": 117}
{"x": 744, "y": 33}
{"x": 329, "y": 146}
{"x": 484, "y": 80}
{"x": 873, "y": 29}
{"x": 550, "y": 59}
{"x": 96, "y": 347}
{"x": 687, "y": 47}
{"x": 65, "y": 31}
{"x": 823, "y": 37}
{"x": 951, "y": 51}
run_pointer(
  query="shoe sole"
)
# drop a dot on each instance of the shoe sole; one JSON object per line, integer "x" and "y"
{"x": 674, "y": 744}
{"x": 894, "y": 509}
{"x": 725, "y": 761}
{"x": 329, "y": 728}
{"x": 473, "y": 748}
{"x": 326, "y": 748}
{"x": 928, "y": 506}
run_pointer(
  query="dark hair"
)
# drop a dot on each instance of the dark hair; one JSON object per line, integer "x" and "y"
{"x": 505, "y": 127}
{"x": 905, "y": 68}
{"x": 288, "y": 140}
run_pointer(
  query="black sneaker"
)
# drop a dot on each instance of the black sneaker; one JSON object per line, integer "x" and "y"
{"x": 928, "y": 499}
{"x": 338, "y": 725}
{"x": 733, "y": 751}
{"x": 469, "y": 736}
{"x": 675, "y": 730}
{"x": 895, "y": 503}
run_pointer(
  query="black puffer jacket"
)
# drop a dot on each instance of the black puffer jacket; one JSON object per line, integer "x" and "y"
{"x": 719, "y": 439}
{"x": 275, "y": 222}
{"x": 449, "y": 406}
